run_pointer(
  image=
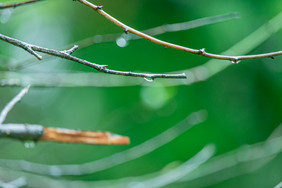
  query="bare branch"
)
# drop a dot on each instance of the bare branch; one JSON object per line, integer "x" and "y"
{"x": 27, "y": 47}
{"x": 86, "y": 137}
{"x": 14, "y": 5}
{"x": 66, "y": 55}
{"x": 111, "y": 161}
{"x": 195, "y": 74}
{"x": 97, "y": 39}
{"x": 202, "y": 52}
{"x": 179, "y": 172}
{"x": 244, "y": 160}
{"x": 70, "y": 51}
{"x": 40, "y": 133}
{"x": 12, "y": 103}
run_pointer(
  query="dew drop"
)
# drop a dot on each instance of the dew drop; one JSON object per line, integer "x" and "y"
{"x": 149, "y": 79}
{"x": 235, "y": 61}
{"x": 29, "y": 144}
{"x": 121, "y": 42}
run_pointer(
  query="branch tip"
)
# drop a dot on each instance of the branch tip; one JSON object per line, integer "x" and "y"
{"x": 183, "y": 75}
{"x": 70, "y": 51}
{"x": 85, "y": 137}
{"x": 12, "y": 103}
{"x": 30, "y": 50}
{"x": 66, "y": 55}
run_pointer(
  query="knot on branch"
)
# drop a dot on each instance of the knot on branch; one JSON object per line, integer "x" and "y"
{"x": 201, "y": 51}
{"x": 29, "y": 49}
{"x": 102, "y": 67}
{"x": 99, "y": 8}
{"x": 126, "y": 30}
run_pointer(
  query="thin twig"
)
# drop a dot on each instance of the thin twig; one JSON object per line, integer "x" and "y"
{"x": 40, "y": 133}
{"x": 14, "y": 5}
{"x": 86, "y": 137}
{"x": 98, "y": 39}
{"x": 27, "y": 47}
{"x": 12, "y": 103}
{"x": 202, "y": 52}
{"x": 179, "y": 172}
{"x": 195, "y": 74}
{"x": 244, "y": 160}
{"x": 26, "y": 132}
{"x": 67, "y": 55}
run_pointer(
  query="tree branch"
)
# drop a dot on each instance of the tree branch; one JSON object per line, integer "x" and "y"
{"x": 12, "y": 103}
{"x": 195, "y": 74}
{"x": 98, "y": 39}
{"x": 67, "y": 55}
{"x": 115, "y": 159}
{"x": 27, "y": 132}
{"x": 202, "y": 52}
{"x": 40, "y": 133}
{"x": 175, "y": 27}
{"x": 14, "y": 5}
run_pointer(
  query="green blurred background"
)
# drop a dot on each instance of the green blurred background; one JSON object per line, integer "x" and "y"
{"x": 243, "y": 102}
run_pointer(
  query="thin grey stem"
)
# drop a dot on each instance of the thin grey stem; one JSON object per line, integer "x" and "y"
{"x": 98, "y": 39}
{"x": 12, "y": 103}
{"x": 67, "y": 55}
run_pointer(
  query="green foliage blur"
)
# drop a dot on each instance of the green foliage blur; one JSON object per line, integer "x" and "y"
{"x": 243, "y": 102}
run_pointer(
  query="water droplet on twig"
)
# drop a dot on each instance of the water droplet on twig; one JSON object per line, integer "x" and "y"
{"x": 121, "y": 42}
{"x": 149, "y": 79}
{"x": 29, "y": 144}
{"x": 235, "y": 61}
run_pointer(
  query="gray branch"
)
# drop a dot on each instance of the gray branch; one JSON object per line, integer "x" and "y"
{"x": 32, "y": 49}
{"x": 11, "y": 104}
{"x": 21, "y": 131}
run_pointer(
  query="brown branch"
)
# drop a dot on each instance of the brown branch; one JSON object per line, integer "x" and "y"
{"x": 202, "y": 52}
{"x": 108, "y": 162}
{"x": 175, "y": 27}
{"x": 14, "y": 5}
{"x": 39, "y": 133}
{"x": 86, "y": 137}
{"x": 27, "y": 132}
{"x": 66, "y": 54}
